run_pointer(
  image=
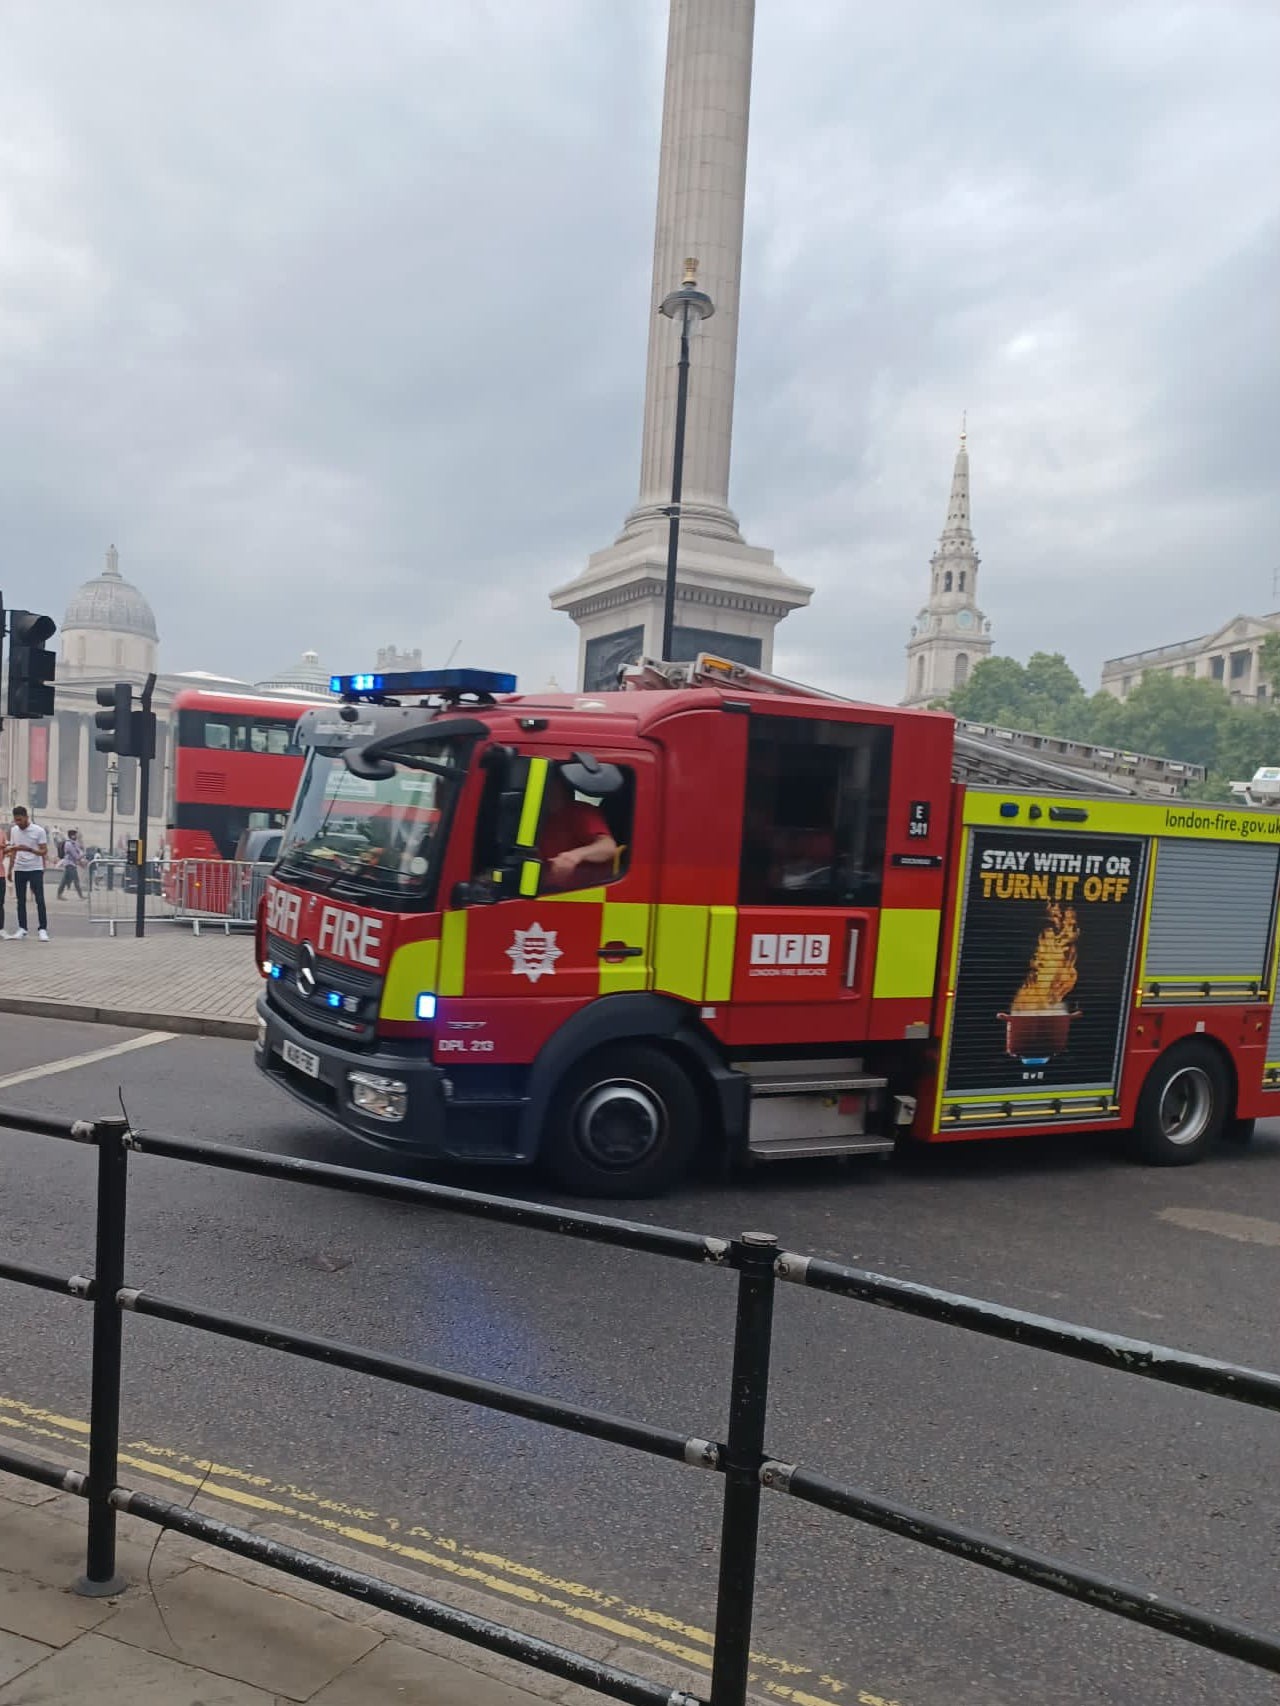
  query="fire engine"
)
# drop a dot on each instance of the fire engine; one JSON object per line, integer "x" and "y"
{"x": 805, "y": 927}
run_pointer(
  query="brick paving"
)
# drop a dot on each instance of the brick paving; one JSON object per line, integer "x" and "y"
{"x": 171, "y": 979}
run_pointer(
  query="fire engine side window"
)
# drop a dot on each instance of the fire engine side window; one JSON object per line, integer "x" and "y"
{"x": 817, "y": 800}
{"x": 569, "y": 821}
{"x": 565, "y": 822}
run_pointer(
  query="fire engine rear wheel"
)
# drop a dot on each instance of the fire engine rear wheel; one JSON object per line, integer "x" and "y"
{"x": 1183, "y": 1106}
{"x": 623, "y": 1124}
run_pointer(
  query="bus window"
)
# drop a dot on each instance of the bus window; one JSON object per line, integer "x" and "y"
{"x": 217, "y": 736}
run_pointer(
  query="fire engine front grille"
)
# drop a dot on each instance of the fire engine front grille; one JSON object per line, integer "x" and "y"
{"x": 359, "y": 994}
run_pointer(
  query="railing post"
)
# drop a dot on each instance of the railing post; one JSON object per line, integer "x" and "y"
{"x": 754, "y": 1255}
{"x": 100, "y": 1578}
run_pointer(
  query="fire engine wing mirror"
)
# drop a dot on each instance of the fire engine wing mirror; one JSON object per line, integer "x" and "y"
{"x": 371, "y": 769}
{"x": 585, "y": 774}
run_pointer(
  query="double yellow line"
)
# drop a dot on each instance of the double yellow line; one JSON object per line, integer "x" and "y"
{"x": 360, "y": 1526}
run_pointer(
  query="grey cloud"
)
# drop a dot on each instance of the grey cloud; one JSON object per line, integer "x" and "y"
{"x": 335, "y": 322}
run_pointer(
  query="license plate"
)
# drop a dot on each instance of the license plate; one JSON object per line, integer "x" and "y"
{"x": 302, "y": 1058}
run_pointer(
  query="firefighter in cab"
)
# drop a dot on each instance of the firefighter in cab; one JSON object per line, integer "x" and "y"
{"x": 576, "y": 845}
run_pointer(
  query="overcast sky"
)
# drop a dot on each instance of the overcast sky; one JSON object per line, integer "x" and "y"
{"x": 332, "y": 317}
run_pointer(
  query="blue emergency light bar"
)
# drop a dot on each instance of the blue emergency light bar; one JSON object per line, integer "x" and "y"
{"x": 423, "y": 681}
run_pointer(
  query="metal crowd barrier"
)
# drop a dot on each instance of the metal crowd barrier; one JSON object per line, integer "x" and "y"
{"x": 748, "y": 1468}
{"x": 223, "y": 893}
{"x": 112, "y": 891}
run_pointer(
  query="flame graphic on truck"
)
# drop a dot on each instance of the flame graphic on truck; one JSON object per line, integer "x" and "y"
{"x": 1038, "y": 1023}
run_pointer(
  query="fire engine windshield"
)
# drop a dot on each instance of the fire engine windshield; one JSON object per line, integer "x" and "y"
{"x": 385, "y": 836}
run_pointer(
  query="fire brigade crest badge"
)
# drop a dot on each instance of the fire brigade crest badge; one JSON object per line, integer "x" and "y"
{"x": 533, "y": 954}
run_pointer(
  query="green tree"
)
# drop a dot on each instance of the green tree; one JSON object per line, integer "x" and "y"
{"x": 1269, "y": 662}
{"x": 1174, "y": 717}
{"x": 1249, "y": 738}
{"x": 1043, "y": 695}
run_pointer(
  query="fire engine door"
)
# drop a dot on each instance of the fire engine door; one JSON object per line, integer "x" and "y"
{"x": 813, "y": 848}
{"x": 590, "y": 935}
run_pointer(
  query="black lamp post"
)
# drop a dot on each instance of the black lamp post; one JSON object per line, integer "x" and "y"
{"x": 689, "y": 307}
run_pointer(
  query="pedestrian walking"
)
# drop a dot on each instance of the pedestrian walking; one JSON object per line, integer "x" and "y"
{"x": 74, "y": 858}
{"x": 27, "y": 854}
{"x": 4, "y": 867}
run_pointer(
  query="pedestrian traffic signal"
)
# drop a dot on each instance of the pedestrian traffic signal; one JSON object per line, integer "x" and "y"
{"x": 115, "y": 727}
{"x": 31, "y": 664}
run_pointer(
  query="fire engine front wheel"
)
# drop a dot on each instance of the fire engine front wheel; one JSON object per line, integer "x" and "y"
{"x": 1183, "y": 1107}
{"x": 623, "y": 1124}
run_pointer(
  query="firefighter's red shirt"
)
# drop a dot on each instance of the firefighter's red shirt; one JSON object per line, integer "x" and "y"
{"x": 574, "y": 825}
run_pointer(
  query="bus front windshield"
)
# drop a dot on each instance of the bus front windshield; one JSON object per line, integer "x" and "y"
{"x": 384, "y": 836}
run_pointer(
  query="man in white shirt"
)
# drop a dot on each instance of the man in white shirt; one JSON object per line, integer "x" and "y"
{"x": 28, "y": 855}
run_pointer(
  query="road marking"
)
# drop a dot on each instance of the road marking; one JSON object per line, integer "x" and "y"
{"x": 1244, "y": 1228}
{"x": 535, "y": 1589}
{"x": 53, "y": 1067}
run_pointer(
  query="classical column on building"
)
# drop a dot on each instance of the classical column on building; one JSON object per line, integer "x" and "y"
{"x": 950, "y": 634}
{"x": 731, "y": 595}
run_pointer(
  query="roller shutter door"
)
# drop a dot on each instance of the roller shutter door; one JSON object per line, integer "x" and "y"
{"x": 1211, "y": 913}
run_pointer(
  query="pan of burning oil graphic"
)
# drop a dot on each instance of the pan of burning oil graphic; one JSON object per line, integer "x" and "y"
{"x": 1038, "y": 1023}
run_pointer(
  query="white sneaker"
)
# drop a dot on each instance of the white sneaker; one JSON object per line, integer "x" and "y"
{"x": 44, "y": 935}
{"x": 16, "y": 935}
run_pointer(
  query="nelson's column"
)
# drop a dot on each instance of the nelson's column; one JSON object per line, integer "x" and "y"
{"x": 731, "y": 595}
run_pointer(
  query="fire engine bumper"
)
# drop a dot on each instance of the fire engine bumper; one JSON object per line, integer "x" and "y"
{"x": 394, "y": 1100}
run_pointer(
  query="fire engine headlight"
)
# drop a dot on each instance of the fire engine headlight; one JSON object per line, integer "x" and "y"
{"x": 426, "y": 1007}
{"x": 380, "y": 1098}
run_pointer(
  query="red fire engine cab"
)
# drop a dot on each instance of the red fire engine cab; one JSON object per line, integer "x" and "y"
{"x": 790, "y": 925}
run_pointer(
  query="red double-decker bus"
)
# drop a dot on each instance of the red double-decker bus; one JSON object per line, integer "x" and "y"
{"x": 235, "y": 767}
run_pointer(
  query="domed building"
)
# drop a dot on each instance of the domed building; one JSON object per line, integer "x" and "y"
{"x": 109, "y": 628}
{"x": 305, "y": 676}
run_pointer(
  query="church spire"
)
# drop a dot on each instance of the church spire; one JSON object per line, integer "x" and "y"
{"x": 957, "y": 527}
{"x": 951, "y": 634}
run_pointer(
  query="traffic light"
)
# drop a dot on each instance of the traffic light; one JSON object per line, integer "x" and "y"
{"x": 31, "y": 664}
{"x": 115, "y": 727}
{"x": 122, "y": 730}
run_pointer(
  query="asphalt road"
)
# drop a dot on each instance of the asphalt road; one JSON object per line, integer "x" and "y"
{"x": 1157, "y": 1485}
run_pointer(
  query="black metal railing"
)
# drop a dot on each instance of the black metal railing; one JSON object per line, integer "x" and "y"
{"x": 749, "y": 1469}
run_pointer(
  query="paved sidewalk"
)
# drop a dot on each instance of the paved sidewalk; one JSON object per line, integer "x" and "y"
{"x": 170, "y": 980}
{"x": 232, "y": 1633}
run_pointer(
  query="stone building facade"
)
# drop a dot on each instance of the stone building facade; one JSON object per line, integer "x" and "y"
{"x": 51, "y": 764}
{"x": 1231, "y": 656}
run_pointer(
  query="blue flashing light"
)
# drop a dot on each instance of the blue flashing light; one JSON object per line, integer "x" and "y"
{"x": 425, "y": 681}
{"x": 333, "y": 998}
{"x": 272, "y": 968}
{"x": 426, "y": 1008}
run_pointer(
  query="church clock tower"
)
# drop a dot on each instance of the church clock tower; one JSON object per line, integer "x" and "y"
{"x": 950, "y": 634}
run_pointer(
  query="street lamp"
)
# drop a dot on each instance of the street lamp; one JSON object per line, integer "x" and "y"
{"x": 689, "y": 307}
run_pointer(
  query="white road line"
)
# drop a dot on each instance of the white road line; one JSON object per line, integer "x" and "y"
{"x": 74, "y": 1060}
